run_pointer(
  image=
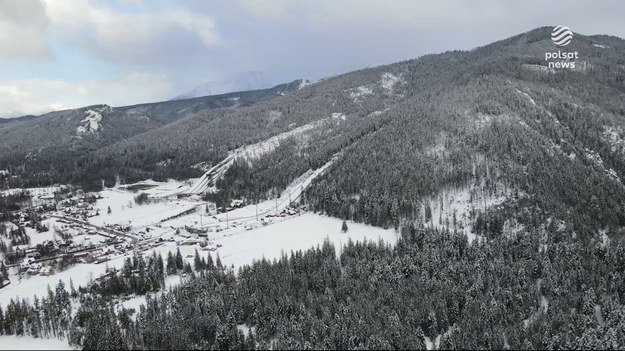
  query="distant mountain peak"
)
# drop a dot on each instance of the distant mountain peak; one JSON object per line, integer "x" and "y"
{"x": 245, "y": 81}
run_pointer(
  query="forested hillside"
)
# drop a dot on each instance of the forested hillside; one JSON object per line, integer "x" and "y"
{"x": 482, "y": 141}
{"x": 486, "y": 142}
{"x": 432, "y": 290}
{"x": 502, "y": 178}
{"x": 59, "y": 146}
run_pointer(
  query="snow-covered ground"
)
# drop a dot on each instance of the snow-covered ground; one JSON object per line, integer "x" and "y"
{"x": 39, "y": 238}
{"x": 35, "y": 192}
{"x": 12, "y": 342}
{"x": 274, "y": 206}
{"x": 239, "y": 247}
{"x": 298, "y": 233}
{"x": 252, "y": 151}
{"x": 360, "y": 93}
{"x": 539, "y": 68}
{"x": 388, "y": 81}
{"x": 91, "y": 123}
{"x": 125, "y": 211}
{"x": 612, "y": 135}
{"x": 463, "y": 204}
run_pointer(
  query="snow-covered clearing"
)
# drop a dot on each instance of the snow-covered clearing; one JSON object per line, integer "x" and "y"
{"x": 12, "y": 342}
{"x": 91, "y": 123}
{"x": 305, "y": 82}
{"x": 360, "y": 93}
{"x": 605, "y": 239}
{"x": 483, "y": 120}
{"x": 246, "y": 329}
{"x": 432, "y": 345}
{"x": 125, "y": 211}
{"x": 136, "y": 301}
{"x": 457, "y": 209}
{"x": 388, "y": 81}
{"x": 39, "y": 238}
{"x": 539, "y": 68}
{"x": 612, "y": 135}
{"x": 81, "y": 274}
{"x": 299, "y": 233}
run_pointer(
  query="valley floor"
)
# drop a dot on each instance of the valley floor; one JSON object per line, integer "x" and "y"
{"x": 168, "y": 223}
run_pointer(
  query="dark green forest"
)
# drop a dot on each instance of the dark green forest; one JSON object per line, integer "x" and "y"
{"x": 505, "y": 293}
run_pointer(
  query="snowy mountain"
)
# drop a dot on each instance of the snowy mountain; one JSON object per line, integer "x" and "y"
{"x": 480, "y": 141}
{"x": 494, "y": 181}
{"x": 245, "y": 81}
{"x": 64, "y": 136}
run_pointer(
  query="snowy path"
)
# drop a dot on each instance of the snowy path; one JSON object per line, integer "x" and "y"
{"x": 251, "y": 151}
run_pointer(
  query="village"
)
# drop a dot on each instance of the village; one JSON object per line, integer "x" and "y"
{"x": 66, "y": 227}
{"x": 62, "y": 233}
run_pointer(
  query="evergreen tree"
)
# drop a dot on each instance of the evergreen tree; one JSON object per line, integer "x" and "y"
{"x": 171, "y": 264}
{"x": 197, "y": 262}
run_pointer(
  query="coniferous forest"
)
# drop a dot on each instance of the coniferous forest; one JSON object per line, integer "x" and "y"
{"x": 503, "y": 180}
{"x": 509, "y": 292}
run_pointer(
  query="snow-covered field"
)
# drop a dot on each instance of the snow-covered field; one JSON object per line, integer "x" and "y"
{"x": 125, "y": 211}
{"x": 12, "y": 342}
{"x": 239, "y": 247}
{"x": 298, "y": 233}
{"x": 238, "y": 237}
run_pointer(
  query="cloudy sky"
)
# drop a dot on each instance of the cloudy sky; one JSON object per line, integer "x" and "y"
{"x": 56, "y": 54}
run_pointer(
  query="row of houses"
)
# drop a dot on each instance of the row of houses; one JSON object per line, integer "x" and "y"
{"x": 35, "y": 268}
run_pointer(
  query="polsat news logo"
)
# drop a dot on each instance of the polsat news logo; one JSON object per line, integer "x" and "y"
{"x": 561, "y": 36}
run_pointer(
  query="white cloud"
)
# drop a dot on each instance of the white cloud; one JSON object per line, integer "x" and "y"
{"x": 23, "y": 25}
{"x": 139, "y": 36}
{"x": 37, "y": 96}
{"x": 269, "y": 9}
{"x": 195, "y": 41}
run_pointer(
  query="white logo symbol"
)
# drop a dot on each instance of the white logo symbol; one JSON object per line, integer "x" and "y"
{"x": 561, "y": 35}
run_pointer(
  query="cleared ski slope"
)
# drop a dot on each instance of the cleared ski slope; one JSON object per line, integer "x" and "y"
{"x": 208, "y": 179}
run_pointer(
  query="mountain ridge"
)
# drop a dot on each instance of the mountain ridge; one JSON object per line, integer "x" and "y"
{"x": 420, "y": 141}
{"x": 244, "y": 81}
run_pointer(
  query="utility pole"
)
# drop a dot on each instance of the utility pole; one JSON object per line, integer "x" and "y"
{"x": 256, "y": 210}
